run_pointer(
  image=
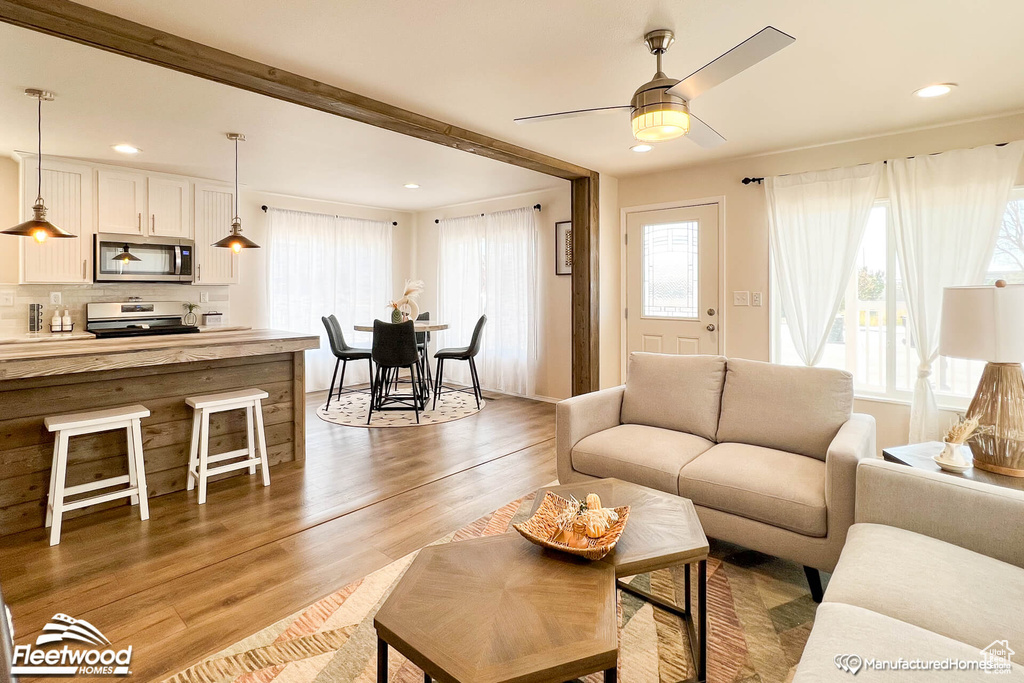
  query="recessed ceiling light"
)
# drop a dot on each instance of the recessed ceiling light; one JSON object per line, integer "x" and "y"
{"x": 641, "y": 148}
{"x": 937, "y": 90}
{"x": 125, "y": 148}
{"x": 411, "y": 186}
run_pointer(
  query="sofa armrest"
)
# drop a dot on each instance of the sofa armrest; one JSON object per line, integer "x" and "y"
{"x": 580, "y": 416}
{"x": 981, "y": 517}
{"x": 854, "y": 442}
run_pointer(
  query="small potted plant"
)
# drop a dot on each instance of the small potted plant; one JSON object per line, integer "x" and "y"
{"x": 190, "y": 317}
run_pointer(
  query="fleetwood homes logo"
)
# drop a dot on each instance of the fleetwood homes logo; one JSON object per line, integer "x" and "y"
{"x": 83, "y": 650}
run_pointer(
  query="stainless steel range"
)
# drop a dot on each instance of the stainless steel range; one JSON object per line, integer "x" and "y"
{"x": 136, "y": 319}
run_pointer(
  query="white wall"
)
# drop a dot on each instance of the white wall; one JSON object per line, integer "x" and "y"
{"x": 746, "y": 243}
{"x": 554, "y": 363}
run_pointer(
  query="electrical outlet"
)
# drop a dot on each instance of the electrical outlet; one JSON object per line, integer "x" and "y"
{"x": 755, "y": 298}
{"x": 55, "y": 299}
{"x": 204, "y": 297}
{"x": 7, "y": 298}
{"x": 741, "y": 298}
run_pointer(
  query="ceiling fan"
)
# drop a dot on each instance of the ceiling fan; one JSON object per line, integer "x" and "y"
{"x": 660, "y": 108}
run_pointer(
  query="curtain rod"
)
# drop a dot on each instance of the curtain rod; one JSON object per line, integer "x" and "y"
{"x": 264, "y": 207}
{"x": 748, "y": 181}
{"x": 536, "y": 207}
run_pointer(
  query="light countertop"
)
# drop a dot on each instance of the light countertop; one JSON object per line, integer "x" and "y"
{"x": 30, "y": 337}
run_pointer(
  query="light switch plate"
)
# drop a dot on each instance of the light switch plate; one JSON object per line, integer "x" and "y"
{"x": 55, "y": 299}
{"x": 204, "y": 297}
{"x": 741, "y": 298}
{"x": 7, "y": 298}
{"x": 755, "y": 298}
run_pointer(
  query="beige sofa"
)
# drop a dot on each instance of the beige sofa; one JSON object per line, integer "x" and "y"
{"x": 767, "y": 453}
{"x": 933, "y": 569}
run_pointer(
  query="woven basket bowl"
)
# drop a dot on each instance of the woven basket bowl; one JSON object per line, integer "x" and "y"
{"x": 541, "y": 529}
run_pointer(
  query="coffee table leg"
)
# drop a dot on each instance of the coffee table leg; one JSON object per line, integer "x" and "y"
{"x": 426, "y": 677}
{"x": 702, "y": 605}
{"x": 609, "y": 675}
{"x": 382, "y": 661}
{"x": 687, "y": 592}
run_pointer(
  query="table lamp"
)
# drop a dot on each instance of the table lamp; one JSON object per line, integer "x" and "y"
{"x": 987, "y": 323}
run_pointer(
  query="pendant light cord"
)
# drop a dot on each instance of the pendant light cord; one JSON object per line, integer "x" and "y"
{"x": 39, "y": 148}
{"x": 236, "y": 177}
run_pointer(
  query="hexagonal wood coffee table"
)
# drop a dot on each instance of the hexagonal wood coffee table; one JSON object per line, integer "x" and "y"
{"x": 663, "y": 531}
{"x": 500, "y": 609}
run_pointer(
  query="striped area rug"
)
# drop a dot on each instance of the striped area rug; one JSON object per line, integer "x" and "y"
{"x": 759, "y": 612}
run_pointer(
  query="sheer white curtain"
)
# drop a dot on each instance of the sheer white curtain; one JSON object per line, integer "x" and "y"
{"x": 319, "y": 264}
{"x": 487, "y": 266}
{"x": 946, "y": 212}
{"x": 816, "y": 222}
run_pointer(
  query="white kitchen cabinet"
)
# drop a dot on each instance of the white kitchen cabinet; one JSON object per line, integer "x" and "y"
{"x": 121, "y": 196}
{"x": 68, "y": 191}
{"x": 168, "y": 200}
{"x": 214, "y": 208}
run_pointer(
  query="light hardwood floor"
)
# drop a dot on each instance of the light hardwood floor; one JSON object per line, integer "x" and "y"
{"x": 193, "y": 579}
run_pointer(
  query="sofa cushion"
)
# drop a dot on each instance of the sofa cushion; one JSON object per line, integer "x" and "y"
{"x": 936, "y": 585}
{"x": 783, "y": 489}
{"x": 649, "y": 456}
{"x": 847, "y": 630}
{"x": 794, "y": 409}
{"x": 683, "y": 393}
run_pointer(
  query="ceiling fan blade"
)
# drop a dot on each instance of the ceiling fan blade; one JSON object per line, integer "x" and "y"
{"x": 703, "y": 134}
{"x": 570, "y": 114}
{"x": 757, "y": 47}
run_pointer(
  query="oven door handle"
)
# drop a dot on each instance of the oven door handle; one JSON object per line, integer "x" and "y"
{"x": 177, "y": 259}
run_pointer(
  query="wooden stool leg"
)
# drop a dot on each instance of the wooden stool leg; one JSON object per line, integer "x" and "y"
{"x": 53, "y": 481}
{"x": 262, "y": 434}
{"x": 204, "y": 451}
{"x": 140, "y": 469}
{"x": 58, "y": 487}
{"x": 133, "y": 481}
{"x": 250, "y": 443}
{"x": 193, "y": 453}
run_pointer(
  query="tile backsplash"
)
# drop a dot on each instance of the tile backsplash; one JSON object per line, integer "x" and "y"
{"x": 14, "y": 320}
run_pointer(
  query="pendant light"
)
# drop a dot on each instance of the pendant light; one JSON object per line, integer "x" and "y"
{"x": 38, "y": 227}
{"x": 235, "y": 240}
{"x": 126, "y": 256}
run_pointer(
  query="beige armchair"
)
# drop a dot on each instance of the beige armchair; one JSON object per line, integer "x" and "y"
{"x": 767, "y": 453}
{"x": 933, "y": 569}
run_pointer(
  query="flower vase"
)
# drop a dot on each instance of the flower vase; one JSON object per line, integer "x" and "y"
{"x": 190, "y": 318}
{"x": 396, "y": 316}
{"x": 952, "y": 458}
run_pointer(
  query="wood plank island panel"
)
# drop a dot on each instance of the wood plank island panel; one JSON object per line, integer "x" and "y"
{"x": 223, "y": 363}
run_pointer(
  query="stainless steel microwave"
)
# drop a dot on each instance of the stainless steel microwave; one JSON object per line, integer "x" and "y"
{"x": 156, "y": 259}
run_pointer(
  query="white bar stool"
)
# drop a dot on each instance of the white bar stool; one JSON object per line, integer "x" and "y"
{"x": 251, "y": 400}
{"x": 77, "y": 424}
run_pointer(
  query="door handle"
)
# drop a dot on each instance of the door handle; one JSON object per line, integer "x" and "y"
{"x": 711, "y": 327}
{"x": 140, "y": 222}
{"x": 84, "y": 262}
{"x": 153, "y": 229}
{"x": 711, "y": 311}
{"x": 199, "y": 272}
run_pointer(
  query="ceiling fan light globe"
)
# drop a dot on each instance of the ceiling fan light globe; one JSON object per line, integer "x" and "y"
{"x": 655, "y": 125}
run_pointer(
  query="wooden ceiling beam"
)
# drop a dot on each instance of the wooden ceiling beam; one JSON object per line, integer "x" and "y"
{"x": 92, "y": 27}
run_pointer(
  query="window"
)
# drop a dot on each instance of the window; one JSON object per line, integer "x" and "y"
{"x": 871, "y": 336}
{"x": 670, "y": 270}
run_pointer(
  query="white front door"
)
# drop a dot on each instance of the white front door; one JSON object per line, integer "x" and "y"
{"x": 672, "y": 280}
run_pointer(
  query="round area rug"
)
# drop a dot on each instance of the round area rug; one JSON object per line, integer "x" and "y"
{"x": 350, "y": 410}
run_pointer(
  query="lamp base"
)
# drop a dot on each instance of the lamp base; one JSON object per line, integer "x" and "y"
{"x": 999, "y": 406}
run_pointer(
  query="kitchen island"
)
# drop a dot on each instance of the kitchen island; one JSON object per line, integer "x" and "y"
{"x": 54, "y": 377}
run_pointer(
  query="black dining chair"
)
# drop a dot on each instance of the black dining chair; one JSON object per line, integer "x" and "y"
{"x": 343, "y": 353}
{"x": 467, "y": 353}
{"x": 394, "y": 349}
{"x": 423, "y": 342}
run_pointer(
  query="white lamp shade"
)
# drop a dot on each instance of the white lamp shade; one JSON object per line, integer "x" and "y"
{"x": 983, "y": 323}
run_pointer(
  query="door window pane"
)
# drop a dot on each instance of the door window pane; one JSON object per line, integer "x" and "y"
{"x": 670, "y": 270}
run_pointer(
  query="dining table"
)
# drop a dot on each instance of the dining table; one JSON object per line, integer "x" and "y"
{"x": 419, "y": 326}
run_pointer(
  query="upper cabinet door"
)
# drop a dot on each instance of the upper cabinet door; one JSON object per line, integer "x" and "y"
{"x": 168, "y": 208}
{"x": 122, "y": 202}
{"x": 214, "y": 208}
{"x": 68, "y": 193}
